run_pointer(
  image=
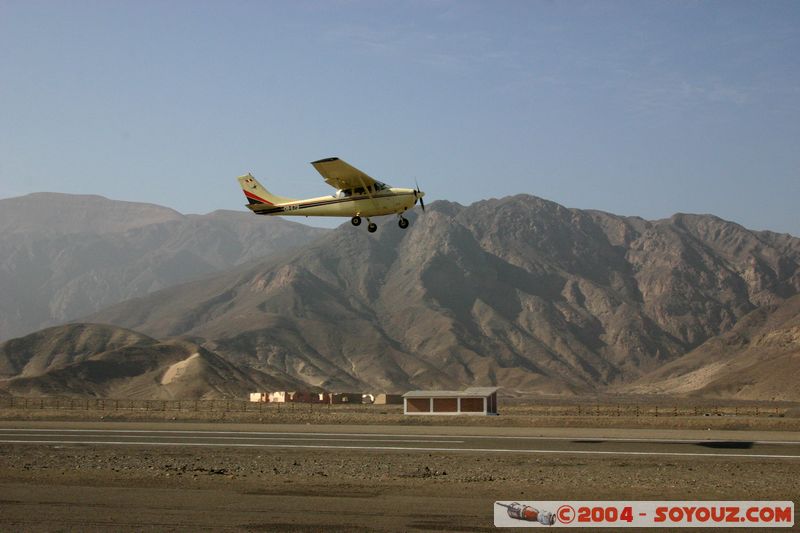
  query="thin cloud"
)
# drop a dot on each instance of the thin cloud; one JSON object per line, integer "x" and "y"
{"x": 450, "y": 51}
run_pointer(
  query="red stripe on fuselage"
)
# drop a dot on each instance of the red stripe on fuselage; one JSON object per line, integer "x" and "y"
{"x": 254, "y": 197}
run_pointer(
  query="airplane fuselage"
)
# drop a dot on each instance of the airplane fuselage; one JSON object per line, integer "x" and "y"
{"x": 386, "y": 202}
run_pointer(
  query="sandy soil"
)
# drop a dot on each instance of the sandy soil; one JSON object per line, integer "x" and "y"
{"x": 89, "y": 488}
{"x": 176, "y": 371}
{"x": 92, "y": 488}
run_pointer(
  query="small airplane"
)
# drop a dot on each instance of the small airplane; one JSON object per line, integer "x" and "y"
{"x": 357, "y": 195}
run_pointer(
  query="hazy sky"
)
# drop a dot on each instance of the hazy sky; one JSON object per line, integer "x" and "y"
{"x": 638, "y": 108}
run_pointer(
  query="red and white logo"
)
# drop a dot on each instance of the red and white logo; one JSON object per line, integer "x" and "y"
{"x": 665, "y": 514}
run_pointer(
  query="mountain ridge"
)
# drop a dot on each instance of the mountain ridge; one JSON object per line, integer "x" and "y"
{"x": 64, "y": 256}
{"x": 518, "y": 290}
{"x": 110, "y": 362}
{"x": 757, "y": 359}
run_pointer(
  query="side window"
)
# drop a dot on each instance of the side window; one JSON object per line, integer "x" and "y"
{"x": 359, "y": 190}
{"x": 347, "y": 193}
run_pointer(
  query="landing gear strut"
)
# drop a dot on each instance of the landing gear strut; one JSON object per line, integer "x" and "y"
{"x": 356, "y": 220}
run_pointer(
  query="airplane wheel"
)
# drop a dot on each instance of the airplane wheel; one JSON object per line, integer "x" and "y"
{"x": 403, "y": 223}
{"x": 372, "y": 227}
{"x": 356, "y": 221}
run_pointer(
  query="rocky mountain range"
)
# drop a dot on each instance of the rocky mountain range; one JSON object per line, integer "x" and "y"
{"x": 64, "y": 256}
{"x": 111, "y": 362}
{"x": 519, "y": 292}
{"x": 758, "y": 359}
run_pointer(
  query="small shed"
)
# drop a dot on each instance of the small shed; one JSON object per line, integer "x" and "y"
{"x": 471, "y": 401}
{"x": 388, "y": 399}
{"x": 297, "y": 397}
{"x": 259, "y": 397}
{"x": 346, "y": 397}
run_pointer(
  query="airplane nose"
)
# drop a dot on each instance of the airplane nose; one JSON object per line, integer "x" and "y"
{"x": 418, "y": 194}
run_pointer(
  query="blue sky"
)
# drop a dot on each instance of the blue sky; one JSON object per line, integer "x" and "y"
{"x": 638, "y": 108}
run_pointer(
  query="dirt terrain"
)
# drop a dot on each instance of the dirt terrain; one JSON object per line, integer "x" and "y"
{"x": 89, "y": 488}
{"x": 81, "y": 487}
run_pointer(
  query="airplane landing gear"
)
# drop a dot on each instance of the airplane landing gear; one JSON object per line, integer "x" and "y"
{"x": 356, "y": 220}
{"x": 403, "y": 223}
{"x": 372, "y": 227}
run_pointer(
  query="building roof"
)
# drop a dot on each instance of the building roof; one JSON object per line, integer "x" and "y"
{"x": 471, "y": 392}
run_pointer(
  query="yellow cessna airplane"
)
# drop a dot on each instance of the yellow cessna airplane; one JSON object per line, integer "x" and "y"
{"x": 357, "y": 195}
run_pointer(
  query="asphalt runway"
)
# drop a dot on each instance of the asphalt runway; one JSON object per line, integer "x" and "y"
{"x": 408, "y": 439}
{"x": 171, "y": 475}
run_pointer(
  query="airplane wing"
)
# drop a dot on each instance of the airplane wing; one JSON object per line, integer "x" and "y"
{"x": 340, "y": 175}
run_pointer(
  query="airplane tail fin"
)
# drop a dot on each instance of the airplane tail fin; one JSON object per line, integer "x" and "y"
{"x": 257, "y": 194}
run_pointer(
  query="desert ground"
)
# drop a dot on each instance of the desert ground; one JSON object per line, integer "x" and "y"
{"x": 149, "y": 486}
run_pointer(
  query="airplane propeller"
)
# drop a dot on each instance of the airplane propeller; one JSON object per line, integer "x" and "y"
{"x": 419, "y": 194}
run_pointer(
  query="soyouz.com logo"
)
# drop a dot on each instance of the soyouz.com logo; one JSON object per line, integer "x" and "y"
{"x": 669, "y": 514}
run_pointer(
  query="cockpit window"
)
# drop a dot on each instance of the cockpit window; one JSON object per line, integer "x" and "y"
{"x": 360, "y": 191}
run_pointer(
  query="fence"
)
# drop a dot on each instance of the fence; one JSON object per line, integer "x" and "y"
{"x": 243, "y": 406}
{"x": 205, "y": 406}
